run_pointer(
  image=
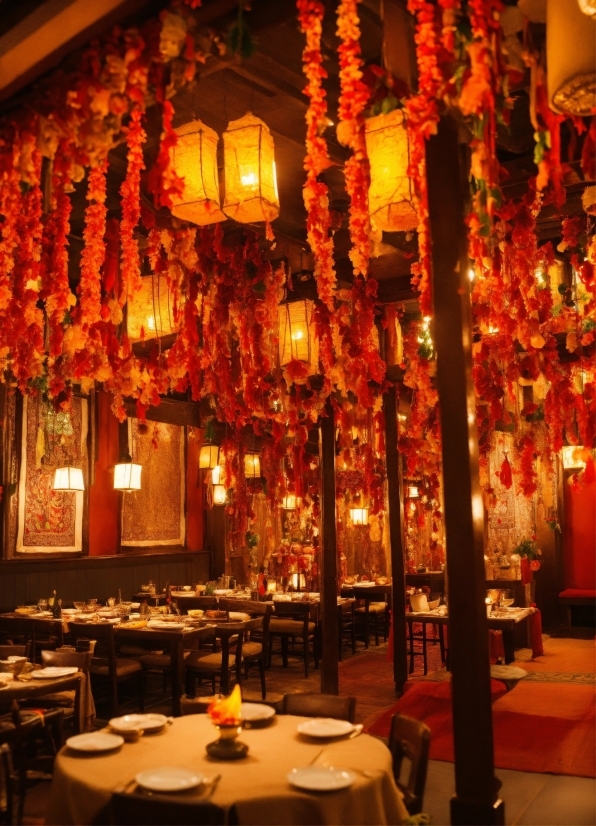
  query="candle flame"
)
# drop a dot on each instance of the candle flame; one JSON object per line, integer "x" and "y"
{"x": 228, "y": 711}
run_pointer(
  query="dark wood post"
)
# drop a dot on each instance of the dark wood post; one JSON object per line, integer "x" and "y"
{"x": 476, "y": 787}
{"x": 395, "y": 506}
{"x": 328, "y": 557}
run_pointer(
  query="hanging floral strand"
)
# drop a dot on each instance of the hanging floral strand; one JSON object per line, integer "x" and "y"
{"x": 131, "y": 207}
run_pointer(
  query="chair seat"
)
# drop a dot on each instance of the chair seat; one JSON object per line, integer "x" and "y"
{"x": 374, "y": 608}
{"x": 123, "y": 667}
{"x": 205, "y": 662}
{"x": 135, "y": 651}
{"x": 252, "y": 649}
{"x": 62, "y": 699}
{"x": 157, "y": 660}
{"x": 293, "y": 627}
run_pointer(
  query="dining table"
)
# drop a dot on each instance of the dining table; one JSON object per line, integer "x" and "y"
{"x": 257, "y": 786}
{"x": 27, "y": 688}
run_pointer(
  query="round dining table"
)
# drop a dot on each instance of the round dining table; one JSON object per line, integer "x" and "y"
{"x": 256, "y": 785}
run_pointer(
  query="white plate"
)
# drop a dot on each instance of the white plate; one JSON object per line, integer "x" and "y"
{"x": 169, "y": 779}
{"x": 168, "y": 626}
{"x": 362, "y": 585}
{"x": 94, "y": 741}
{"x": 149, "y": 723}
{"x": 53, "y": 671}
{"x": 325, "y": 727}
{"x": 222, "y": 592}
{"x": 253, "y": 712}
{"x": 321, "y": 778}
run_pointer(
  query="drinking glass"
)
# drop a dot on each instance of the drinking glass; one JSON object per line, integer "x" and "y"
{"x": 42, "y": 604}
{"x": 111, "y": 602}
{"x": 507, "y": 598}
{"x": 79, "y": 605}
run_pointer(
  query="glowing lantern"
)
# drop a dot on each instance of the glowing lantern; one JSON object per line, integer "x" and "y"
{"x": 251, "y": 180}
{"x": 216, "y": 475}
{"x": 297, "y": 338}
{"x": 359, "y": 516}
{"x": 389, "y": 196}
{"x": 290, "y": 502}
{"x": 252, "y": 465}
{"x": 209, "y": 456}
{"x": 575, "y": 457}
{"x": 68, "y": 479}
{"x": 588, "y": 7}
{"x": 127, "y": 475}
{"x": 413, "y": 492}
{"x": 194, "y": 159}
{"x": 150, "y": 312}
{"x": 219, "y": 495}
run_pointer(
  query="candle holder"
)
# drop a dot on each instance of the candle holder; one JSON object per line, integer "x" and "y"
{"x": 227, "y": 747}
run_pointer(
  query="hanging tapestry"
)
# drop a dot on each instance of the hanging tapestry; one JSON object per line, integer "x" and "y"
{"x": 154, "y": 515}
{"x": 51, "y": 521}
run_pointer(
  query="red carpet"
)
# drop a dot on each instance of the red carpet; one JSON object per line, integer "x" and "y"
{"x": 538, "y": 727}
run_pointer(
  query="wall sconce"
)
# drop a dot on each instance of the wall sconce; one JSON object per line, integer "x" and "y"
{"x": 250, "y": 174}
{"x": 194, "y": 158}
{"x": 412, "y": 492}
{"x": 252, "y": 465}
{"x": 219, "y": 495}
{"x": 127, "y": 475}
{"x": 68, "y": 479}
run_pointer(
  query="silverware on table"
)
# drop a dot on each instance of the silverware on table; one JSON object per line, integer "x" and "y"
{"x": 213, "y": 786}
{"x": 356, "y": 732}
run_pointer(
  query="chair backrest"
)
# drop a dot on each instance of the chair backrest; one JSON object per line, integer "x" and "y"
{"x": 253, "y": 609}
{"x": 7, "y": 651}
{"x": 103, "y": 634}
{"x": 195, "y": 603}
{"x": 409, "y": 742}
{"x": 46, "y": 629}
{"x": 159, "y": 810}
{"x": 17, "y": 630}
{"x": 340, "y": 707}
{"x": 61, "y": 659}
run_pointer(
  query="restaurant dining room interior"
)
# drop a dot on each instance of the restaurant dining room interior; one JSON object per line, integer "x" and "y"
{"x": 298, "y": 411}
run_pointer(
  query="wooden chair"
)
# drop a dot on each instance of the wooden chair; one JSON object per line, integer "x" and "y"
{"x": 67, "y": 700}
{"x": 48, "y": 635}
{"x": 340, "y": 707}
{"x": 254, "y": 651}
{"x": 379, "y": 611}
{"x": 409, "y": 742}
{"x": 104, "y": 662}
{"x": 346, "y": 625}
{"x": 428, "y": 635}
{"x": 7, "y": 651}
{"x": 17, "y": 631}
{"x": 219, "y": 664}
{"x": 162, "y": 810}
{"x": 292, "y": 620}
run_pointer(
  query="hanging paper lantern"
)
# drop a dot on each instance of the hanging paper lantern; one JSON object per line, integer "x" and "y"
{"x": 127, "y": 475}
{"x": 150, "y": 310}
{"x": 252, "y": 465}
{"x": 575, "y": 457}
{"x": 297, "y": 337}
{"x": 68, "y": 479}
{"x": 209, "y": 456}
{"x": 250, "y": 175}
{"x": 219, "y": 495}
{"x": 194, "y": 158}
{"x": 389, "y": 195}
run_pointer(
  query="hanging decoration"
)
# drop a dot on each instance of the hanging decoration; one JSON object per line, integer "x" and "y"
{"x": 194, "y": 158}
{"x": 250, "y": 174}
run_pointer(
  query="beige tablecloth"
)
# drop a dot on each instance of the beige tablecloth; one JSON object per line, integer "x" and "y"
{"x": 257, "y": 785}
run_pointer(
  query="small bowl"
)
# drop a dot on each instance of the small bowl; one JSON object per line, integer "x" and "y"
{"x": 196, "y": 613}
{"x": 13, "y": 665}
{"x": 434, "y": 604}
{"x": 187, "y": 587}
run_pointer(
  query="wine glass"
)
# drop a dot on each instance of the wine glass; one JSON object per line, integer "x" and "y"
{"x": 507, "y": 598}
{"x": 79, "y": 605}
{"x": 111, "y": 602}
{"x": 42, "y": 605}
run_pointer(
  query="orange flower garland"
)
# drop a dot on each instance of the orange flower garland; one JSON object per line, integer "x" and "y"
{"x": 94, "y": 251}
{"x": 131, "y": 207}
{"x": 10, "y": 205}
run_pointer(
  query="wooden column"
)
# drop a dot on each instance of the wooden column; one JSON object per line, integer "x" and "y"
{"x": 476, "y": 788}
{"x": 328, "y": 557}
{"x": 395, "y": 512}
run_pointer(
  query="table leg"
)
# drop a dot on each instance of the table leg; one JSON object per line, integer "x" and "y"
{"x": 508, "y": 645}
{"x": 177, "y": 661}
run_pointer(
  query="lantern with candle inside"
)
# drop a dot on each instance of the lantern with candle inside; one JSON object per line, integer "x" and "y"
{"x": 150, "y": 311}
{"x": 298, "y": 343}
{"x": 298, "y": 581}
{"x": 127, "y": 475}
{"x": 68, "y": 479}
{"x": 358, "y": 512}
{"x": 389, "y": 195}
{"x": 209, "y": 456}
{"x": 252, "y": 465}
{"x": 250, "y": 174}
{"x": 219, "y": 495}
{"x": 194, "y": 158}
{"x": 290, "y": 502}
{"x": 226, "y": 716}
{"x": 271, "y": 586}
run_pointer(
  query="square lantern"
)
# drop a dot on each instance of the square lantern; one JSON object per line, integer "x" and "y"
{"x": 68, "y": 479}
{"x": 194, "y": 158}
{"x": 297, "y": 336}
{"x": 250, "y": 175}
{"x": 389, "y": 196}
{"x": 252, "y": 465}
{"x": 359, "y": 516}
{"x": 219, "y": 495}
{"x": 209, "y": 456}
{"x": 574, "y": 457}
{"x": 290, "y": 502}
{"x": 127, "y": 475}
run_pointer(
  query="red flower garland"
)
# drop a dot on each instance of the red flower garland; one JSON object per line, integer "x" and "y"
{"x": 131, "y": 207}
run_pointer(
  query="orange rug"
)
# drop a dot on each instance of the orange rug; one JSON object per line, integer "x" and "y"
{"x": 561, "y": 655}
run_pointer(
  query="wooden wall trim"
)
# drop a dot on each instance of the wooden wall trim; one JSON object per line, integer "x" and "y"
{"x": 16, "y": 566}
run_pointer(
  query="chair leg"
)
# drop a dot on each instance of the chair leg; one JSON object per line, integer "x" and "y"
{"x": 366, "y": 631}
{"x": 191, "y": 689}
{"x": 424, "y": 651}
{"x": 411, "y": 646}
{"x": 307, "y": 654}
{"x": 142, "y": 689}
{"x": 115, "y": 698}
{"x": 376, "y": 628}
{"x": 262, "y": 671}
{"x": 353, "y": 635}
{"x": 284, "y": 651}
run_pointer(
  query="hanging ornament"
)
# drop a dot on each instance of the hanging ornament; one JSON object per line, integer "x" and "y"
{"x": 250, "y": 174}
{"x": 194, "y": 158}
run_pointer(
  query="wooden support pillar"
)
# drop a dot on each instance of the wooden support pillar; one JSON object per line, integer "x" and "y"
{"x": 328, "y": 557}
{"x": 476, "y": 787}
{"x": 396, "y": 540}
